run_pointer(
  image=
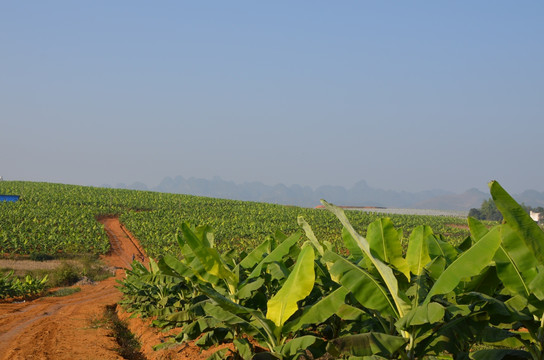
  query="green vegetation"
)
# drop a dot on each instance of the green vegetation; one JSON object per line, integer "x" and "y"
{"x": 30, "y": 282}
{"x": 26, "y": 288}
{"x": 434, "y": 300}
{"x": 64, "y": 291}
{"x": 60, "y": 220}
{"x": 488, "y": 211}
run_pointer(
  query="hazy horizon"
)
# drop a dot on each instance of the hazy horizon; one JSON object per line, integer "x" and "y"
{"x": 155, "y": 186}
{"x": 406, "y": 96}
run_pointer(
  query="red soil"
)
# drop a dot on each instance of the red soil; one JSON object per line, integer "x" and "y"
{"x": 63, "y": 327}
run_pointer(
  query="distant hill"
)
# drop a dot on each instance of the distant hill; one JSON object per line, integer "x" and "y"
{"x": 472, "y": 198}
{"x": 531, "y": 197}
{"x": 360, "y": 194}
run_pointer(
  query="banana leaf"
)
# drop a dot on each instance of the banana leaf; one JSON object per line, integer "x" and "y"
{"x": 516, "y": 217}
{"x": 516, "y": 264}
{"x": 468, "y": 264}
{"x": 320, "y": 311}
{"x": 310, "y": 235}
{"x": 350, "y": 243}
{"x": 365, "y": 288}
{"x": 367, "y": 344}
{"x": 386, "y": 273}
{"x": 277, "y": 254}
{"x": 384, "y": 241}
{"x": 498, "y": 354}
{"x": 209, "y": 257}
{"x": 255, "y": 256}
{"x": 298, "y": 286}
{"x": 298, "y": 346}
{"x": 417, "y": 255}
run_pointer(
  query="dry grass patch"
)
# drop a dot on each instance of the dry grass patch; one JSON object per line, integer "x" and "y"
{"x": 20, "y": 267}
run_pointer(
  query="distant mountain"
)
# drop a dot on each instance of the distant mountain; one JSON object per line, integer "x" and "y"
{"x": 472, "y": 198}
{"x": 360, "y": 194}
{"x": 531, "y": 197}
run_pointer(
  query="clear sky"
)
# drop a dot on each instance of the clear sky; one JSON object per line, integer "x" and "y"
{"x": 407, "y": 95}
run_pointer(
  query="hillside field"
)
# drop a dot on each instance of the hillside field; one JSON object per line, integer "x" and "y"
{"x": 61, "y": 220}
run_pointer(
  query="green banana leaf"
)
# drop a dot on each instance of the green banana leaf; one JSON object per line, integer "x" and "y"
{"x": 228, "y": 317}
{"x": 298, "y": 346}
{"x": 244, "y": 348}
{"x": 209, "y": 257}
{"x": 424, "y": 314}
{"x": 261, "y": 325}
{"x": 515, "y": 263}
{"x": 255, "y": 256}
{"x": 468, "y": 264}
{"x": 310, "y": 235}
{"x": 298, "y": 286}
{"x": 348, "y": 312}
{"x": 218, "y": 355}
{"x": 248, "y": 289}
{"x": 477, "y": 229}
{"x": 366, "y": 344}
{"x": 498, "y": 354}
{"x": 417, "y": 255}
{"x": 516, "y": 217}
{"x": 365, "y": 288}
{"x": 384, "y": 241}
{"x": 438, "y": 247}
{"x": 178, "y": 267}
{"x": 537, "y": 284}
{"x": 320, "y": 311}
{"x": 386, "y": 273}
{"x": 153, "y": 267}
{"x": 351, "y": 245}
{"x": 277, "y": 254}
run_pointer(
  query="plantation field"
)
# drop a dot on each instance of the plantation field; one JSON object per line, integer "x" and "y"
{"x": 279, "y": 282}
{"x": 480, "y": 299}
{"x": 60, "y": 220}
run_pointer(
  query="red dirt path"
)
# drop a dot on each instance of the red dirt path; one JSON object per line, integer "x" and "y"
{"x": 61, "y": 328}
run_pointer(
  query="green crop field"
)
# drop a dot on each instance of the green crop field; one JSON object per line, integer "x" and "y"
{"x": 303, "y": 282}
{"x": 60, "y": 219}
{"x": 297, "y": 297}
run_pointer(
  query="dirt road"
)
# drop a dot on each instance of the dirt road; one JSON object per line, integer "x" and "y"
{"x": 61, "y": 328}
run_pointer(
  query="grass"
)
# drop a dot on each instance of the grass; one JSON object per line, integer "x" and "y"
{"x": 64, "y": 291}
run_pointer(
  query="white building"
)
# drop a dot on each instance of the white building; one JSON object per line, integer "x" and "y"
{"x": 536, "y": 216}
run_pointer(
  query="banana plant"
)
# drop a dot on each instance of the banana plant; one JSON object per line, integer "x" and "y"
{"x": 520, "y": 267}
{"x": 153, "y": 292}
{"x": 406, "y": 296}
{"x": 273, "y": 327}
{"x": 203, "y": 263}
{"x": 13, "y": 287}
{"x": 246, "y": 283}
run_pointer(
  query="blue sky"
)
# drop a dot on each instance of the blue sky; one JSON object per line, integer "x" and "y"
{"x": 405, "y": 95}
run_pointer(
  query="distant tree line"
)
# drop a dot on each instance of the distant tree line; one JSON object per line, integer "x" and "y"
{"x": 489, "y": 211}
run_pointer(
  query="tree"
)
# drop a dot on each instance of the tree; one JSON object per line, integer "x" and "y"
{"x": 488, "y": 211}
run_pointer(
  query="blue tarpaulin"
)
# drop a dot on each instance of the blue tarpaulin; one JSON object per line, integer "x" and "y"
{"x": 10, "y": 198}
